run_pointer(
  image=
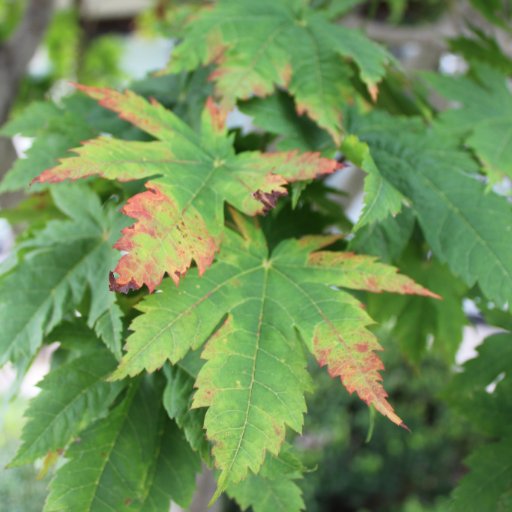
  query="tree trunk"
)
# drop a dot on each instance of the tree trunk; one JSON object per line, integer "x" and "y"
{"x": 15, "y": 55}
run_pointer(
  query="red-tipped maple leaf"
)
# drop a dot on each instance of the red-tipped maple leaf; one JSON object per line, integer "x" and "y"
{"x": 254, "y": 378}
{"x": 180, "y": 215}
{"x": 257, "y": 45}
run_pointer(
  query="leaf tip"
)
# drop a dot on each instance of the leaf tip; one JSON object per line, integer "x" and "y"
{"x": 373, "y": 90}
{"x": 405, "y": 427}
{"x": 217, "y": 115}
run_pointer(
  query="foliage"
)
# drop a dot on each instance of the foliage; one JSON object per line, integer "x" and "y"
{"x": 234, "y": 273}
{"x": 64, "y": 54}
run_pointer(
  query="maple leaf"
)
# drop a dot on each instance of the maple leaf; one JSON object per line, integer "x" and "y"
{"x": 465, "y": 227}
{"x": 72, "y": 396}
{"x": 420, "y": 323}
{"x": 180, "y": 215}
{"x": 277, "y": 114}
{"x": 259, "y": 45}
{"x": 59, "y": 264}
{"x": 274, "y": 488}
{"x": 135, "y": 459}
{"x": 381, "y": 199}
{"x": 177, "y": 400}
{"x": 254, "y": 380}
{"x": 487, "y": 485}
{"x": 385, "y": 239}
{"x": 483, "y": 115}
{"x": 56, "y": 129}
{"x": 479, "y": 47}
{"x": 468, "y": 392}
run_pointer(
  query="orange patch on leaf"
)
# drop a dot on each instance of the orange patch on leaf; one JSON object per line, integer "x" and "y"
{"x": 217, "y": 116}
{"x": 374, "y": 92}
{"x": 162, "y": 240}
{"x": 356, "y": 364}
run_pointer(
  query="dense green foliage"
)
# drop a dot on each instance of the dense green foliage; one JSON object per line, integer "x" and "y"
{"x": 197, "y": 278}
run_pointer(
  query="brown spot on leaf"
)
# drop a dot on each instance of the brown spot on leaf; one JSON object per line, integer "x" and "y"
{"x": 362, "y": 347}
{"x": 268, "y": 199}
{"x": 114, "y": 286}
{"x": 278, "y": 430}
{"x": 372, "y": 284}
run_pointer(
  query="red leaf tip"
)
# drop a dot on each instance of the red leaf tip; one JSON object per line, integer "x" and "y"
{"x": 405, "y": 427}
{"x": 217, "y": 115}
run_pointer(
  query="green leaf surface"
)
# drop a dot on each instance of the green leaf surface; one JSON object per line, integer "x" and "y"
{"x": 273, "y": 489}
{"x": 381, "y": 199}
{"x": 465, "y": 227}
{"x": 56, "y": 130}
{"x": 177, "y": 401}
{"x": 133, "y": 460}
{"x": 489, "y": 479}
{"x": 109, "y": 328}
{"x": 419, "y": 324}
{"x": 386, "y": 239}
{"x": 483, "y": 115}
{"x": 469, "y": 392}
{"x": 483, "y": 48}
{"x": 180, "y": 215}
{"x": 260, "y": 45}
{"x": 482, "y": 393}
{"x": 277, "y": 114}
{"x": 59, "y": 264}
{"x": 72, "y": 396}
{"x": 254, "y": 378}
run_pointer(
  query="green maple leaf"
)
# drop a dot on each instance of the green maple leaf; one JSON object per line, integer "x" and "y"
{"x": 487, "y": 486}
{"x": 134, "y": 460}
{"x": 277, "y": 114}
{"x": 259, "y": 306}
{"x": 58, "y": 128}
{"x": 55, "y": 129}
{"x": 489, "y": 480}
{"x": 483, "y": 116}
{"x": 177, "y": 400}
{"x": 481, "y": 47}
{"x": 58, "y": 266}
{"x": 418, "y": 321}
{"x": 386, "y": 239}
{"x": 180, "y": 215}
{"x": 469, "y": 394}
{"x": 274, "y": 488}
{"x": 72, "y": 396}
{"x": 465, "y": 227}
{"x": 260, "y": 45}
{"x": 381, "y": 199}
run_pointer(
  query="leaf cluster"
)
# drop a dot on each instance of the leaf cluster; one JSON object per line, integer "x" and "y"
{"x": 190, "y": 274}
